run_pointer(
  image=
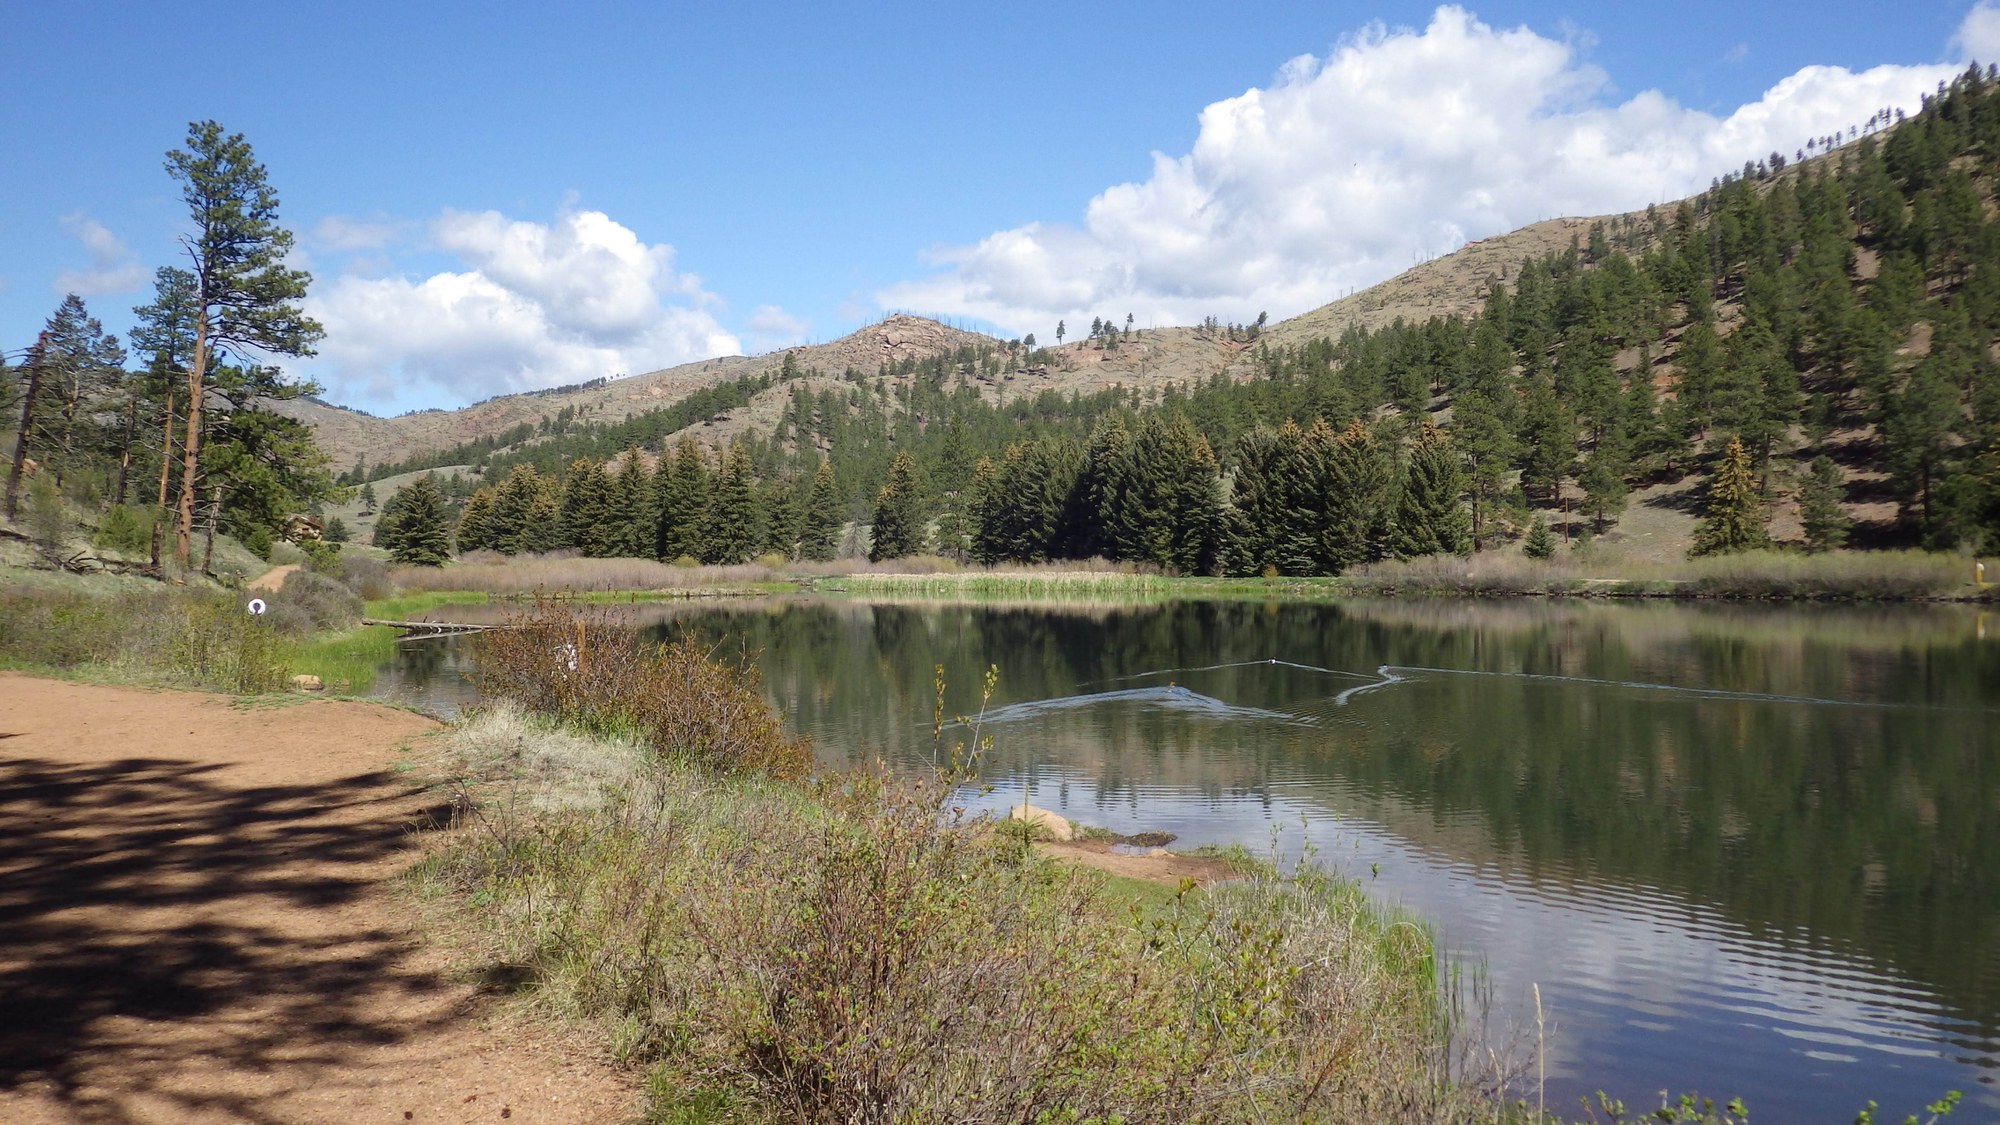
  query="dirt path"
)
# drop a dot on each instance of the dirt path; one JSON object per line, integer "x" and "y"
{"x": 273, "y": 579}
{"x": 195, "y": 927}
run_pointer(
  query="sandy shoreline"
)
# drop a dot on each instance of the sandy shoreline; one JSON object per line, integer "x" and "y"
{"x": 196, "y": 925}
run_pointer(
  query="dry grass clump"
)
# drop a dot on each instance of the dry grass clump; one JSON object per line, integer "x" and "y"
{"x": 581, "y": 668}
{"x": 1862, "y": 575}
{"x": 1847, "y": 576}
{"x": 496, "y": 574}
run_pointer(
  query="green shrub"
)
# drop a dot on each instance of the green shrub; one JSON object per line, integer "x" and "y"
{"x": 125, "y": 529}
{"x": 213, "y": 642}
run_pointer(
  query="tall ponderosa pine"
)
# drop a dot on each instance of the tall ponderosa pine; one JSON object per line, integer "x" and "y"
{"x": 1430, "y": 510}
{"x": 245, "y": 299}
{"x": 819, "y": 534}
{"x": 898, "y": 528}
{"x": 1735, "y": 512}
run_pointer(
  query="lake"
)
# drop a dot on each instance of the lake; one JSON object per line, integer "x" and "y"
{"x": 1749, "y": 850}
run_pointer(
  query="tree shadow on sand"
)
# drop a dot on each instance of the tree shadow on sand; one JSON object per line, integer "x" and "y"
{"x": 155, "y": 917}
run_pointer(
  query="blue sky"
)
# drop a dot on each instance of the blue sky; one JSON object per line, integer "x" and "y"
{"x": 498, "y": 196}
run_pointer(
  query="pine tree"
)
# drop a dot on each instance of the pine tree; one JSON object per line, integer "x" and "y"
{"x": 1430, "y": 513}
{"x": 681, "y": 488}
{"x": 734, "y": 530}
{"x": 898, "y": 529}
{"x": 1735, "y": 513}
{"x": 367, "y": 498}
{"x": 1549, "y": 440}
{"x": 1826, "y": 521}
{"x": 819, "y": 538}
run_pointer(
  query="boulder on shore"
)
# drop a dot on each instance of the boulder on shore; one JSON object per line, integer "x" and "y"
{"x": 1054, "y": 824}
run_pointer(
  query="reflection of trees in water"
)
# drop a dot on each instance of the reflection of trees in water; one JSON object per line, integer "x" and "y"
{"x": 1870, "y": 828}
{"x": 423, "y": 664}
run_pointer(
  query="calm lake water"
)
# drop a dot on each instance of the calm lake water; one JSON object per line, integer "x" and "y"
{"x": 1751, "y": 851}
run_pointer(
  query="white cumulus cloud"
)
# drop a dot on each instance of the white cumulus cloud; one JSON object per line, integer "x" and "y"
{"x": 770, "y": 328}
{"x": 1978, "y": 37}
{"x": 538, "y": 305}
{"x": 1399, "y": 144}
{"x": 112, "y": 268}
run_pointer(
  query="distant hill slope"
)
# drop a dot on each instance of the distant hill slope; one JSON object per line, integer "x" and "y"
{"x": 1450, "y": 285}
{"x": 348, "y": 434}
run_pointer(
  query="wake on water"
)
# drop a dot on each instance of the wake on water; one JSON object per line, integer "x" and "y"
{"x": 1175, "y": 697}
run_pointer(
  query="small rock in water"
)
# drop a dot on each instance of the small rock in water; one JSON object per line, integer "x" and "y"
{"x": 1055, "y": 825}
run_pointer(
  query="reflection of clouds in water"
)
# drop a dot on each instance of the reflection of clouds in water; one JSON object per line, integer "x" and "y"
{"x": 1637, "y": 983}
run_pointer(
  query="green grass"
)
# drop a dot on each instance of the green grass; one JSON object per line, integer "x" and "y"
{"x": 402, "y": 606}
{"x": 344, "y": 661}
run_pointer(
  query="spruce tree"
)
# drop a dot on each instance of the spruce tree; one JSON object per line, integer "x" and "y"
{"x": 681, "y": 487}
{"x": 733, "y": 530}
{"x": 1359, "y": 510}
{"x": 587, "y": 516}
{"x": 1430, "y": 513}
{"x": 1541, "y": 542}
{"x": 475, "y": 522}
{"x": 819, "y": 537}
{"x": 1735, "y": 512}
{"x": 634, "y": 518}
{"x": 898, "y": 529}
{"x": 781, "y": 519}
{"x": 418, "y": 523}
{"x": 1826, "y": 521}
